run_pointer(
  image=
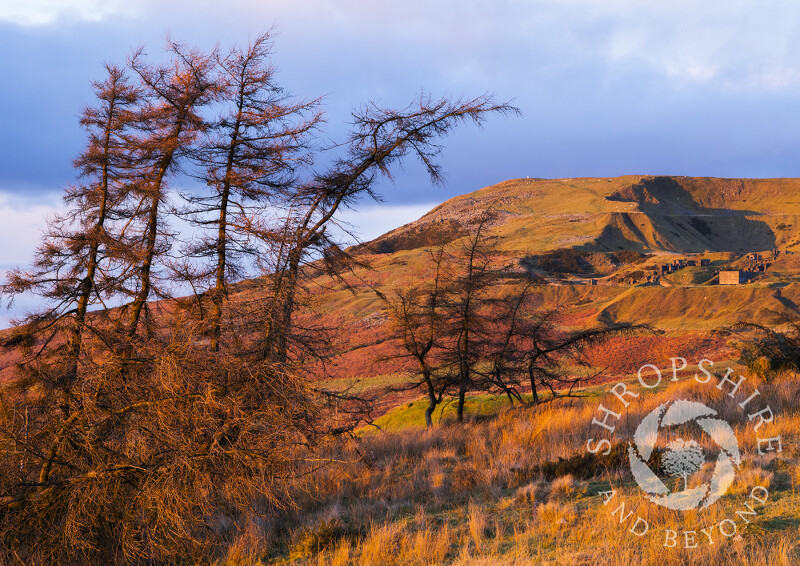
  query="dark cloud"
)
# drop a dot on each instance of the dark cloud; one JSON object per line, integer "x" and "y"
{"x": 607, "y": 88}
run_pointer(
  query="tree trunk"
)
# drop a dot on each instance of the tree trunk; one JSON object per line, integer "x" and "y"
{"x": 87, "y": 284}
{"x": 432, "y": 401}
{"x": 221, "y": 289}
{"x": 280, "y": 316}
{"x": 147, "y": 264}
{"x": 462, "y": 397}
{"x": 151, "y": 234}
{"x": 532, "y": 377}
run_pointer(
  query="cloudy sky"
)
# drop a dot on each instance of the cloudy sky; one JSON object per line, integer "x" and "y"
{"x": 607, "y": 87}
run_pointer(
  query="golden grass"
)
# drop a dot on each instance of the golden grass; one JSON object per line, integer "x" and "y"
{"x": 474, "y": 494}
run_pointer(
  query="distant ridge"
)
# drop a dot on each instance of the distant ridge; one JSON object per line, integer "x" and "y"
{"x": 640, "y": 213}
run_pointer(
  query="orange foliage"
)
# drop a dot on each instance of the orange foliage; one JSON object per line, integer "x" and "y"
{"x": 626, "y": 354}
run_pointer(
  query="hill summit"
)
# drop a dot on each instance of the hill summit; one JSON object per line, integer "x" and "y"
{"x": 639, "y": 213}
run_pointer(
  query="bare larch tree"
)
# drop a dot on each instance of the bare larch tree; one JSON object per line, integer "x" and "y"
{"x": 250, "y": 157}
{"x": 417, "y": 318}
{"x": 170, "y": 121}
{"x": 80, "y": 262}
{"x": 380, "y": 139}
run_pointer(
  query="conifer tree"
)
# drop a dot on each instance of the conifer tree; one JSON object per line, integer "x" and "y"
{"x": 170, "y": 121}
{"x": 250, "y": 157}
{"x": 81, "y": 262}
{"x": 380, "y": 139}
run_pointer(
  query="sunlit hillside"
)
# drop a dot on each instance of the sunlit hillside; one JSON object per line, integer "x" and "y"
{"x": 518, "y": 486}
{"x": 568, "y": 232}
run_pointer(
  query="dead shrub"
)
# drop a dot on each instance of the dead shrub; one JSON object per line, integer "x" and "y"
{"x": 564, "y": 488}
{"x": 165, "y": 460}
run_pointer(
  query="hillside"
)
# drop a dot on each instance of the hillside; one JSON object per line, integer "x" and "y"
{"x": 656, "y": 214}
{"x": 567, "y": 232}
{"x": 517, "y": 487}
{"x": 514, "y": 485}
{"x": 617, "y": 231}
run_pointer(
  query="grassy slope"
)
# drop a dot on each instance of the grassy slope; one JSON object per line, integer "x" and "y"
{"x": 475, "y": 494}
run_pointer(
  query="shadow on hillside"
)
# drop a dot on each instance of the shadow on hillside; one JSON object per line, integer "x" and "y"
{"x": 786, "y": 302}
{"x": 675, "y": 221}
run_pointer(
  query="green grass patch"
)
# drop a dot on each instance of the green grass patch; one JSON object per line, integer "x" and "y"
{"x": 412, "y": 414}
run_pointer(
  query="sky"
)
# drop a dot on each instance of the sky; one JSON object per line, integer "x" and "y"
{"x": 606, "y": 87}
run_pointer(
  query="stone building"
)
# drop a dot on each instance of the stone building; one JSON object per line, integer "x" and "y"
{"x": 731, "y": 277}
